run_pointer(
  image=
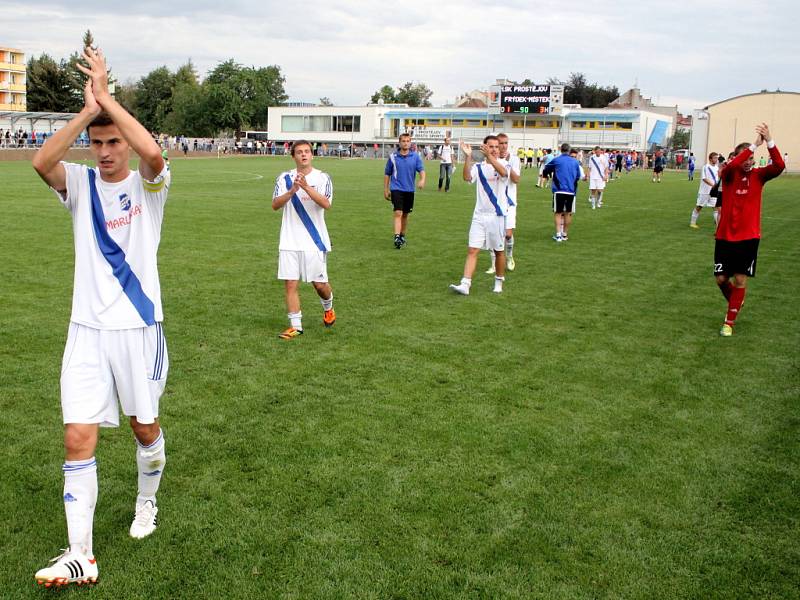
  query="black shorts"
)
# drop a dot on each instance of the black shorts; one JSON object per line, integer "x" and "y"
{"x": 563, "y": 203}
{"x": 735, "y": 257}
{"x": 716, "y": 193}
{"x": 403, "y": 201}
{"x": 658, "y": 169}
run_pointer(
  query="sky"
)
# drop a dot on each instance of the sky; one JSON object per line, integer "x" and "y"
{"x": 687, "y": 53}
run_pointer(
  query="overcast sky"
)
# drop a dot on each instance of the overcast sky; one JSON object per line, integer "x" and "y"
{"x": 685, "y": 53}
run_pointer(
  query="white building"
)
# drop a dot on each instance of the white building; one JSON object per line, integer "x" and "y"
{"x": 383, "y": 123}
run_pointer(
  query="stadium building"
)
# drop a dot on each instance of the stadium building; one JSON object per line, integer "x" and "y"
{"x": 383, "y": 123}
{"x": 719, "y": 127}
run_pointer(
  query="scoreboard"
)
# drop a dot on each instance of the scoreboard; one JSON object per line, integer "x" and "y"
{"x": 530, "y": 99}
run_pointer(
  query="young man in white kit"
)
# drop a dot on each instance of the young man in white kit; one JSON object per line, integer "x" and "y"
{"x": 487, "y": 230}
{"x": 115, "y": 346}
{"x": 304, "y": 194}
{"x": 598, "y": 176}
{"x": 709, "y": 177}
{"x": 514, "y": 171}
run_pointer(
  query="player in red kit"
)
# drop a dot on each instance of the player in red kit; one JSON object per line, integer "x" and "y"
{"x": 739, "y": 229}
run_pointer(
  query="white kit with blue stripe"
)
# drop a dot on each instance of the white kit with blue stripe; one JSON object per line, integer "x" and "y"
{"x": 492, "y": 197}
{"x": 710, "y": 172}
{"x": 303, "y": 225}
{"x": 117, "y": 230}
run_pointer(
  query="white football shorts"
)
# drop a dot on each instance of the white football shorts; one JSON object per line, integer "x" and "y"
{"x": 300, "y": 265}
{"x": 511, "y": 217}
{"x": 101, "y": 367}
{"x": 487, "y": 232}
{"x": 706, "y": 200}
{"x": 597, "y": 183}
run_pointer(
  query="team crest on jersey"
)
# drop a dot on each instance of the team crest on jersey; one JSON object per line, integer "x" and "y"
{"x": 125, "y": 202}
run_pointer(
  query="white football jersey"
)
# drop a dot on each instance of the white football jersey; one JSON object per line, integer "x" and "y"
{"x": 710, "y": 172}
{"x": 117, "y": 232}
{"x": 294, "y": 233}
{"x": 511, "y": 187}
{"x": 598, "y": 165}
{"x": 491, "y": 188}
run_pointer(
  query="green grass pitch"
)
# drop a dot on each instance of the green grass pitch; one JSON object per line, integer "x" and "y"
{"x": 586, "y": 434}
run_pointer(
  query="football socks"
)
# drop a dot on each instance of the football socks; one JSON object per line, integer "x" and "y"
{"x": 150, "y": 461}
{"x": 80, "y": 498}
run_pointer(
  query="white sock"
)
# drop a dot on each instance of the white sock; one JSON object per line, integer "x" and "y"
{"x": 80, "y": 498}
{"x": 150, "y": 461}
{"x": 716, "y": 217}
{"x": 494, "y": 258}
{"x": 296, "y": 320}
{"x": 693, "y": 220}
{"x": 498, "y": 282}
{"x": 466, "y": 281}
{"x": 600, "y": 198}
{"x": 327, "y": 304}
{"x": 510, "y": 246}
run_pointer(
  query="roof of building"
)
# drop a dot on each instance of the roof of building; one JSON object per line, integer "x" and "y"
{"x": 751, "y": 94}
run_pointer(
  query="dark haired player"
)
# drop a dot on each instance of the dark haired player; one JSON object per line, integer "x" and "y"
{"x": 488, "y": 228}
{"x": 398, "y": 185}
{"x": 304, "y": 194}
{"x": 115, "y": 344}
{"x": 739, "y": 229}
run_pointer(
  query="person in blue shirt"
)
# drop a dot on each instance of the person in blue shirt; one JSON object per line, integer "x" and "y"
{"x": 398, "y": 185}
{"x": 691, "y": 166}
{"x": 566, "y": 172}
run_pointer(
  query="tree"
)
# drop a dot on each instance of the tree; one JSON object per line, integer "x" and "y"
{"x": 386, "y": 93}
{"x": 414, "y": 94}
{"x": 50, "y": 88}
{"x": 325, "y": 101}
{"x": 154, "y": 98}
{"x": 680, "y": 140}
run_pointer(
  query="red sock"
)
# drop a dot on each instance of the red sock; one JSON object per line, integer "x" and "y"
{"x": 734, "y": 304}
{"x": 725, "y": 288}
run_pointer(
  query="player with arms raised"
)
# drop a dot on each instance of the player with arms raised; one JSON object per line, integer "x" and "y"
{"x": 115, "y": 345}
{"x": 488, "y": 228}
{"x": 304, "y": 194}
{"x": 739, "y": 229}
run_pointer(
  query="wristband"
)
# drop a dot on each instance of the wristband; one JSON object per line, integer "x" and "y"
{"x": 771, "y": 144}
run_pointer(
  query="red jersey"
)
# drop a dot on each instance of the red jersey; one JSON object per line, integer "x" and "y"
{"x": 740, "y": 216}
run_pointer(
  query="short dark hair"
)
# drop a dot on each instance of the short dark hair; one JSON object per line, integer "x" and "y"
{"x": 102, "y": 120}
{"x": 490, "y": 137}
{"x": 298, "y": 143}
{"x": 564, "y": 147}
{"x": 502, "y": 135}
{"x": 597, "y": 148}
{"x": 402, "y": 135}
{"x": 740, "y": 148}
{"x": 712, "y": 155}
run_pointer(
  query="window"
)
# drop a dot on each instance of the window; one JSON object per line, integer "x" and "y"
{"x": 291, "y": 123}
{"x": 347, "y": 123}
{"x": 579, "y": 124}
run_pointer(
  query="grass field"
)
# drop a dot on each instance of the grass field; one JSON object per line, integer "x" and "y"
{"x": 586, "y": 434}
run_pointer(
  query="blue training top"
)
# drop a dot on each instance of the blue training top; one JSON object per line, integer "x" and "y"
{"x": 402, "y": 170}
{"x": 566, "y": 172}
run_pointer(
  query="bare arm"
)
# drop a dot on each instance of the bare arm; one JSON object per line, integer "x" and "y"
{"x": 312, "y": 192}
{"x": 280, "y": 201}
{"x": 386, "y": 193}
{"x": 498, "y": 166}
{"x": 513, "y": 175}
{"x": 421, "y": 183}
{"x": 465, "y": 148}
{"x": 151, "y": 163}
{"x": 47, "y": 161}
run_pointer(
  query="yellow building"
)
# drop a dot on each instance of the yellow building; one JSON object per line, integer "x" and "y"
{"x": 12, "y": 79}
{"x": 721, "y": 126}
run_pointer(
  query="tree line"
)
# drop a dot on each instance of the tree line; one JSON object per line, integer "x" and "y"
{"x": 232, "y": 97}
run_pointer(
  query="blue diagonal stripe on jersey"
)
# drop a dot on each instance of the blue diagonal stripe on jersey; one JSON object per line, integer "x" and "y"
{"x": 307, "y": 222}
{"x": 116, "y": 258}
{"x": 488, "y": 189}
{"x": 596, "y": 166}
